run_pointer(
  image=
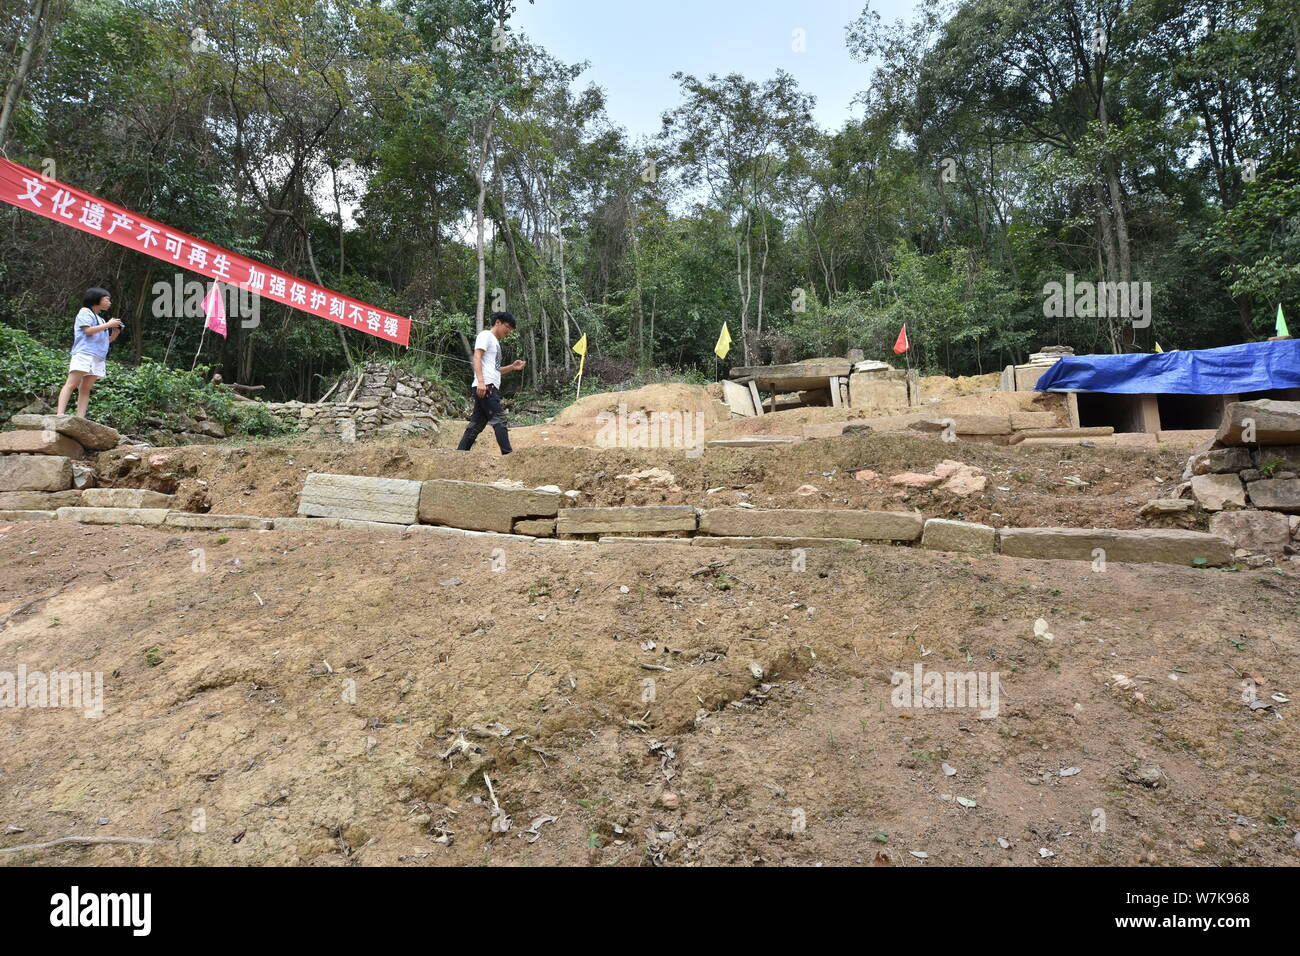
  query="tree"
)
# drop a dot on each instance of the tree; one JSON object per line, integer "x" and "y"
{"x": 735, "y": 139}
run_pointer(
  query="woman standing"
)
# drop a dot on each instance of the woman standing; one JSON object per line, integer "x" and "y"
{"x": 90, "y": 342}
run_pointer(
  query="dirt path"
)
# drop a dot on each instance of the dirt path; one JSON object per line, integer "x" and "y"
{"x": 337, "y": 697}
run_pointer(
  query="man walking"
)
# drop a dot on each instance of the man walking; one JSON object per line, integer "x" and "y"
{"x": 487, "y": 384}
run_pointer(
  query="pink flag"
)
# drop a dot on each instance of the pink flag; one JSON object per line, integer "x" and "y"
{"x": 214, "y": 307}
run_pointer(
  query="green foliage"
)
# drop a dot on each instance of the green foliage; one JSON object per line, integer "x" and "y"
{"x": 128, "y": 396}
{"x": 352, "y": 141}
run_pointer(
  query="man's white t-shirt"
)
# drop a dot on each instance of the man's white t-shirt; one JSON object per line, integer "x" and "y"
{"x": 491, "y": 358}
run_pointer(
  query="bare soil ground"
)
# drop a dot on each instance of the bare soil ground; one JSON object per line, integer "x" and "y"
{"x": 343, "y": 697}
{"x": 336, "y": 698}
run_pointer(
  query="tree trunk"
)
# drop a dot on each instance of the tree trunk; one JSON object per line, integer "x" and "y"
{"x": 338, "y": 206}
{"x": 519, "y": 272}
{"x": 762, "y": 279}
{"x": 564, "y": 284}
{"x": 137, "y": 326}
{"x": 480, "y": 177}
{"x": 14, "y": 89}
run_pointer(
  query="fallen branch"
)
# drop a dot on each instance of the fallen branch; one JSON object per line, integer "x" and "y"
{"x": 79, "y": 841}
{"x": 330, "y": 392}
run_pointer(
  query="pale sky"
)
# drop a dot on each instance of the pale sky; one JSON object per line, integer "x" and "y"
{"x": 635, "y": 47}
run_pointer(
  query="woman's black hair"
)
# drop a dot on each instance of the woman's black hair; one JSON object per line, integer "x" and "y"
{"x": 92, "y": 296}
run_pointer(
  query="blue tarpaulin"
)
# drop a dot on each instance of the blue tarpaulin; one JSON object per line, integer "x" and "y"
{"x": 1232, "y": 370}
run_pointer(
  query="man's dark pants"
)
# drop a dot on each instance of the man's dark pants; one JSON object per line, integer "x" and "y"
{"x": 487, "y": 411}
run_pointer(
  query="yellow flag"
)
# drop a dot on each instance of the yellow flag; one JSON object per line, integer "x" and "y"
{"x": 1158, "y": 348}
{"x": 724, "y": 342}
{"x": 581, "y": 346}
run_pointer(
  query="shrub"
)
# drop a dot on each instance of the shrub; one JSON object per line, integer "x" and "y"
{"x": 128, "y": 396}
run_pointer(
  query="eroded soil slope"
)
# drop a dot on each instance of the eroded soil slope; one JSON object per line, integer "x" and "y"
{"x": 337, "y": 697}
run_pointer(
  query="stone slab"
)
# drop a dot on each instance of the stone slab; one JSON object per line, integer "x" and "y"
{"x": 812, "y": 523}
{"x": 1027, "y": 376}
{"x": 39, "y": 443}
{"x": 738, "y": 399}
{"x": 1100, "y": 431}
{"x": 1099, "y": 441}
{"x": 873, "y": 390}
{"x": 1268, "y": 531}
{"x": 35, "y": 473}
{"x": 632, "y": 539}
{"x": 650, "y": 519}
{"x": 535, "y": 527}
{"x": 1278, "y": 457}
{"x": 125, "y": 498}
{"x": 476, "y": 506}
{"x": 793, "y": 378}
{"x": 210, "y": 522}
{"x": 943, "y": 534}
{"x": 12, "y": 515}
{"x": 1166, "y": 507}
{"x": 1276, "y": 494}
{"x": 966, "y": 424}
{"x": 438, "y": 530}
{"x": 88, "y": 434}
{"x": 1223, "y": 461}
{"x": 145, "y": 516}
{"x": 753, "y": 442}
{"x": 1021, "y": 421}
{"x": 1275, "y": 423}
{"x": 775, "y": 542}
{"x": 39, "y": 500}
{"x": 332, "y": 524}
{"x": 1217, "y": 492}
{"x": 360, "y": 498}
{"x": 1168, "y": 546}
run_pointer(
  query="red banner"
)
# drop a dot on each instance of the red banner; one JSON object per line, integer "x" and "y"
{"x": 30, "y": 190}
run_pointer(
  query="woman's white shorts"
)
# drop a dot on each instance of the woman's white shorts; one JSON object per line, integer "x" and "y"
{"x": 82, "y": 362}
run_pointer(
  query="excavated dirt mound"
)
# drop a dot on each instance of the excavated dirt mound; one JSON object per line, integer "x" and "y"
{"x": 943, "y": 387}
{"x": 1027, "y": 487}
{"x": 577, "y": 424}
{"x": 651, "y": 398}
{"x": 343, "y": 698}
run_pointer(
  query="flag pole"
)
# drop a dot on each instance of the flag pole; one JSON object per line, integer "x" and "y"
{"x": 196, "y": 354}
{"x": 581, "y": 348}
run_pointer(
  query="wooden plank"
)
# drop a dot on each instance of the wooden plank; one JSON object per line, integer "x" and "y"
{"x": 758, "y": 401}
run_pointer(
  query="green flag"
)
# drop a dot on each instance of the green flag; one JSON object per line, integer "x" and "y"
{"x": 1281, "y": 322}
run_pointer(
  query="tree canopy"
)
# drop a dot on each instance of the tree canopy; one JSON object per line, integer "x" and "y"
{"x": 424, "y": 156}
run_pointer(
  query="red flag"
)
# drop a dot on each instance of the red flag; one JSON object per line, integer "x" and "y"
{"x": 214, "y": 307}
{"x": 29, "y": 190}
{"x": 902, "y": 345}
